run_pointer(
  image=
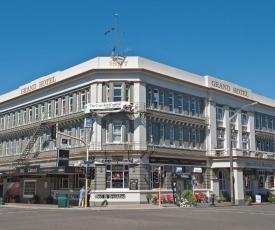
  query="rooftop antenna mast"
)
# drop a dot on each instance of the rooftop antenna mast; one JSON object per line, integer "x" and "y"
{"x": 115, "y": 52}
{"x": 116, "y": 47}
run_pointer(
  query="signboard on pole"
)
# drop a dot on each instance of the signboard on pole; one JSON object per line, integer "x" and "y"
{"x": 88, "y": 122}
{"x": 62, "y": 157}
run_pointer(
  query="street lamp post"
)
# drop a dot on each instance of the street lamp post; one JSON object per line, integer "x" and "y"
{"x": 232, "y": 191}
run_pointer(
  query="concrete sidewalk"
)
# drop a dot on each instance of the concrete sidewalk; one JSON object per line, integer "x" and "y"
{"x": 110, "y": 206}
{"x": 117, "y": 206}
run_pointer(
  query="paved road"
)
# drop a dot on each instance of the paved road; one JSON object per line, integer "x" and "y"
{"x": 225, "y": 218}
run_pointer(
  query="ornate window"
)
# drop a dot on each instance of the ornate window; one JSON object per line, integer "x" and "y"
{"x": 117, "y": 131}
{"x": 117, "y": 91}
{"x": 117, "y": 176}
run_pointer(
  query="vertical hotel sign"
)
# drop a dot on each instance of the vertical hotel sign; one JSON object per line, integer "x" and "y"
{"x": 41, "y": 84}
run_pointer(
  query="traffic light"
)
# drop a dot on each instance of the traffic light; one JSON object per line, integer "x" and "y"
{"x": 53, "y": 131}
{"x": 155, "y": 177}
{"x": 82, "y": 169}
{"x": 163, "y": 174}
{"x": 91, "y": 173}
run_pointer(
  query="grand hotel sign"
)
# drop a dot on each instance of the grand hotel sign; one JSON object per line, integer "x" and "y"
{"x": 41, "y": 84}
{"x": 228, "y": 87}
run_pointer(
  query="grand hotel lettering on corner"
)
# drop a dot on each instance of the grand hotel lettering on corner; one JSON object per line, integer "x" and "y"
{"x": 228, "y": 88}
{"x": 40, "y": 85}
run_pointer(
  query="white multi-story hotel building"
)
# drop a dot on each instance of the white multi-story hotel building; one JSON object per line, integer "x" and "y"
{"x": 144, "y": 115}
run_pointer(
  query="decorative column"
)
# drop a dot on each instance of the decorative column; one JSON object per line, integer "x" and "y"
{"x": 239, "y": 186}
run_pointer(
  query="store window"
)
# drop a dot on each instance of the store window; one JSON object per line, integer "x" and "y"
{"x": 117, "y": 176}
{"x": 261, "y": 179}
{"x": 79, "y": 180}
{"x": 247, "y": 183}
{"x": 29, "y": 188}
{"x": 272, "y": 181}
{"x": 222, "y": 185}
{"x": 64, "y": 182}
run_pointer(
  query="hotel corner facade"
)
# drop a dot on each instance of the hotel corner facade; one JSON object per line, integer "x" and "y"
{"x": 142, "y": 115}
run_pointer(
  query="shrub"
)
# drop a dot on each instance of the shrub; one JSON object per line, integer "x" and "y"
{"x": 271, "y": 198}
{"x": 15, "y": 199}
{"x": 48, "y": 200}
{"x": 189, "y": 197}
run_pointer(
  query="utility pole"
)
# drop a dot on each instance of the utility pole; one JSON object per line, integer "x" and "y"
{"x": 159, "y": 177}
{"x": 87, "y": 159}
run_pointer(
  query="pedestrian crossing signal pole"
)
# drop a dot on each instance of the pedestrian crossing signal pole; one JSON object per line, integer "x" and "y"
{"x": 86, "y": 177}
{"x": 87, "y": 158}
{"x": 159, "y": 177}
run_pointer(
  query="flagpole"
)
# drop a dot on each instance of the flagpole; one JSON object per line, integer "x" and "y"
{"x": 117, "y": 35}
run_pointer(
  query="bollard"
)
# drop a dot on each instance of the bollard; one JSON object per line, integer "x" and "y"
{"x": 213, "y": 200}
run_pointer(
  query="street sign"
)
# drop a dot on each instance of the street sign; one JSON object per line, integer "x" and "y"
{"x": 88, "y": 122}
{"x": 88, "y": 163}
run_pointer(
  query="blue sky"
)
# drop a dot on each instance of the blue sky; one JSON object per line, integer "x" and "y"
{"x": 230, "y": 40}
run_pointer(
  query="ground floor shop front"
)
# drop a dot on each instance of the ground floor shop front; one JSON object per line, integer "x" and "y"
{"x": 125, "y": 178}
{"x": 250, "y": 177}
